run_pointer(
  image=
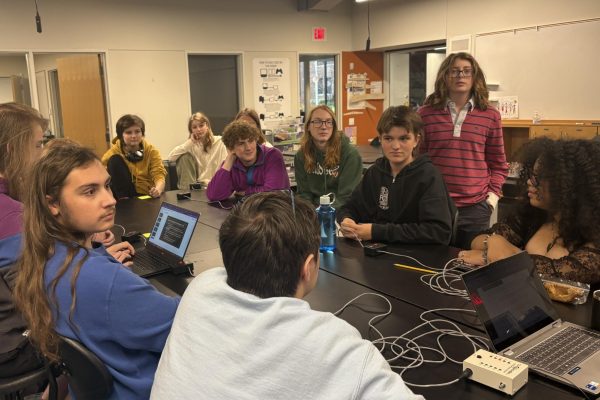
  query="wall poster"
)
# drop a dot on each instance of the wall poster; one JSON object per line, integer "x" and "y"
{"x": 272, "y": 94}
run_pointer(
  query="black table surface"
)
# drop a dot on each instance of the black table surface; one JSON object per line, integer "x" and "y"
{"x": 348, "y": 273}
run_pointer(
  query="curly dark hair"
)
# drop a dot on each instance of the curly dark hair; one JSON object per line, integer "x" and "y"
{"x": 571, "y": 169}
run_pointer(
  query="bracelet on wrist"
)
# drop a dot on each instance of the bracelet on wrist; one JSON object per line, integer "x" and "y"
{"x": 484, "y": 254}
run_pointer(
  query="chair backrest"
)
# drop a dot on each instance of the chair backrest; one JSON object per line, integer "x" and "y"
{"x": 88, "y": 376}
{"x": 172, "y": 179}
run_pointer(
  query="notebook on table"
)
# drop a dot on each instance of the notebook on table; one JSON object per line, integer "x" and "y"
{"x": 168, "y": 241}
{"x": 522, "y": 323}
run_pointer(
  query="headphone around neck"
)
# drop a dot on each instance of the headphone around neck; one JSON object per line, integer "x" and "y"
{"x": 135, "y": 156}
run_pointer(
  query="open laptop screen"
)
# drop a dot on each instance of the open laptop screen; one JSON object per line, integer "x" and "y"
{"x": 510, "y": 299}
{"x": 173, "y": 229}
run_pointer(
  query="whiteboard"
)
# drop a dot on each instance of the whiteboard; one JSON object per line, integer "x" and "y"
{"x": 554, "y": 70}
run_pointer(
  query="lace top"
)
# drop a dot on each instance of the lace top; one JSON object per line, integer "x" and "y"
{"x": 581, "y": 265}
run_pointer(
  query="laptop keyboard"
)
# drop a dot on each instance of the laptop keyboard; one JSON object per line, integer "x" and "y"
{"x": 150, "y": 264}
{"x": 563, "y": 351}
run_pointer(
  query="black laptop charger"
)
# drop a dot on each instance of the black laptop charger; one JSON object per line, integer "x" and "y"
{"x": 131, "y": 237}
{"x": 182, "y": 268}
{"x": 374, "y": 249}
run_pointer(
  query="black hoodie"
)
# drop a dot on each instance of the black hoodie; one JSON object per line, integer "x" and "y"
{"x": 413, "y": 207}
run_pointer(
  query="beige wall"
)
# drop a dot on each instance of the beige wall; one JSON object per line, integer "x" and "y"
{"x": 145, "y": 40}
{"x": 397, "y": 23}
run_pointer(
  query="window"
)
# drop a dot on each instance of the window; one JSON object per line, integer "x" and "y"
{"x": 317, "y": 81}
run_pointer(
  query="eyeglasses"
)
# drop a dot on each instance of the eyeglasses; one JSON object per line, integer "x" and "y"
{"x": 317, "y": 123}
{"x": 455, "y": 73}
{"x": 534, "y": 179}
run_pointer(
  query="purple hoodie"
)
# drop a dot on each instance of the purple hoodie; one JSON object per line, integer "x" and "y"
{"x": 268, "y": 173}
{"x": 11, "y": 212}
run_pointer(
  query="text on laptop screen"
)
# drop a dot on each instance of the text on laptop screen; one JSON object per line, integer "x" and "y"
{"x": 510, "y": 300}
{"x": 173, "y": 229}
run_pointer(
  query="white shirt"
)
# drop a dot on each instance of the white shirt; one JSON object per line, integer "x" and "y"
{"x": 227, "y": 344}
{"x": 207, "y": 163}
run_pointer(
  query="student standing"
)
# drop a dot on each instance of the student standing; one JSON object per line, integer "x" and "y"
{"x": 199, "y": 157}
{"x": 244, "y": 332}
{"x": 68, "y": 286}
{"x": 249, "y": 167}
{"x": 463, "y": 137}
{"x": 135, "y": 166}
{"x": 326, "y": 162}
{"x": 402, "y": 197}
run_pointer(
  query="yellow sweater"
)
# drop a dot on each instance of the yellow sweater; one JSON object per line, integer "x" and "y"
{"x": 145, "y": 173}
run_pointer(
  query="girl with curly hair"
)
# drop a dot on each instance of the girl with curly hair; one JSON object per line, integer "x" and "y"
{"x": 558, "y": 222}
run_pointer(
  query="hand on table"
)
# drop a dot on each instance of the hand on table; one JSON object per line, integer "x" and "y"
{"x": 498, "y": 249}
{"x": 158, "y": 189}
{"x": 352, "y": 230}
{"x": 122, "y": 252}
{"x": 106, "y": 238}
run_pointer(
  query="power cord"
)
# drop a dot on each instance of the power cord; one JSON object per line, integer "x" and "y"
{"x": 406, "y": 347}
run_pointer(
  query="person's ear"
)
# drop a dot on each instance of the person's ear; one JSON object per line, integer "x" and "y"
{"x": 309, "y": 268}
{"x": 53, "y": 206}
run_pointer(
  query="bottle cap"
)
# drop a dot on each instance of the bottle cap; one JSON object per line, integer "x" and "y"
{"x": 324, "y": 200}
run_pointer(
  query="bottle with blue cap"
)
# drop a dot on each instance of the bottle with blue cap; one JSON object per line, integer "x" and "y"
{"x": 326, "y": 214}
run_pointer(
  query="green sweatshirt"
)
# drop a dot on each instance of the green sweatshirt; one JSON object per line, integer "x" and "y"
{"x": 340, "y": 180}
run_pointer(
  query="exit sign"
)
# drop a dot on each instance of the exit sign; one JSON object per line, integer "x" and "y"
{"x": 318, "y": 34}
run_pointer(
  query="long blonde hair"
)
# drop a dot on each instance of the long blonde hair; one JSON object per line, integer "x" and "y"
{"x": 207, "y": 140}
{"x": 40, "y": 233}
{"x": 17, "y": 123}
{"x": 334, "y": 144}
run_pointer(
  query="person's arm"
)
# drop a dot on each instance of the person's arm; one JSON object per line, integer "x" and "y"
{"x": 275, "y": 174}
{"x": 139, "y": 316}
{"x": 157, "y": 172}
{"x": 495, "y": 159}
{"x": 218, "y": 154}
{"x": 185, "y": 147}
{"x": 220, "y": 186}
{"x": 378, "y": 381}
{"x": 581, "y": 265}
{"x": 302, "y": 185}
{"x": 360, "y": 207}
{"x": 434, "y": 224}
{"x": 350, "y": 175}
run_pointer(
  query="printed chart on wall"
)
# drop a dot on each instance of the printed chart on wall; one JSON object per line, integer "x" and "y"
{"x": 272, "y": 96}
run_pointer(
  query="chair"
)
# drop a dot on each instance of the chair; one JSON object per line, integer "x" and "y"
{"x": 172, "y": 179}
{"x": 88, "y": 376}
{"x": 14, "y": 387}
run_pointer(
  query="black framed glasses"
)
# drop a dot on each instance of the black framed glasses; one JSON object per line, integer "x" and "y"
{"x": 455, "y": 73}
{"x": 317, "y": 123}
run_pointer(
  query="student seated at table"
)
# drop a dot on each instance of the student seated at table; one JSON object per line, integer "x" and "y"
{"x": 326, "y": 162}
{"x": 249, "y": 167}
{"x": 558, "y": 221}
{"x": 250, "y": 116}
{"x": 199, "y": 157}
{"x": 402, "y": 198}
{"x": 67, "y": 286}
{"x": 135, "y": 166}
{"x": 244, "y": 332}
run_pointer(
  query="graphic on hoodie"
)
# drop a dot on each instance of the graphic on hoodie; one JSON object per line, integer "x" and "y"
{"x": 383, "y": 198}
{"x": 319, "y": 170}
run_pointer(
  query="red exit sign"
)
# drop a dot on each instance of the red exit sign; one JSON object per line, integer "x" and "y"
{"x": 318, "y": 34}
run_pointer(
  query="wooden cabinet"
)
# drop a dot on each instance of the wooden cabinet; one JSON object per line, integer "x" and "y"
{"x": 563, "y": 131}
{"x": 519, "y": 132}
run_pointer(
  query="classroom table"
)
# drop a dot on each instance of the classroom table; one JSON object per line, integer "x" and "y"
{"x": 344, "y": 275}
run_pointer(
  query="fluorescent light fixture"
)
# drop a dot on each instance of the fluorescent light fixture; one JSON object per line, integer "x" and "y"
{"x": 440, "y": 48}
{"x": 361, "y": 1}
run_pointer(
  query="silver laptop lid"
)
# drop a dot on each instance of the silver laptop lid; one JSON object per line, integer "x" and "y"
{"x": 510, "y": 299}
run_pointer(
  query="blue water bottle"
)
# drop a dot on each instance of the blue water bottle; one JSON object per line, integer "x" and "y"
{"x": 326, "y": 215}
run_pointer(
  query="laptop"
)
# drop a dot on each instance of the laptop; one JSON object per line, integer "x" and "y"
{"x": 523, "y": 325}
{"x": 168, "y": 241}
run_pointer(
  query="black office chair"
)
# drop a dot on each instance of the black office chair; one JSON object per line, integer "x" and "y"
{"x": 16, "y": 387}
{"x": 88, "y": 376}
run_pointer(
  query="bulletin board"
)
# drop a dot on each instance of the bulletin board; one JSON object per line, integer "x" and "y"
{"x": 359, "y": 67}
{"x": 552, "y": 69}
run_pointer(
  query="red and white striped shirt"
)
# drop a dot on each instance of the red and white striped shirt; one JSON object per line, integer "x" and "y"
{"x": 472, "y": 164}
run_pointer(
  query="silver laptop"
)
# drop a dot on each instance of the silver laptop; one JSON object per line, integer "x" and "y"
{"x": 168, "y": 241}
{"x": 523, "y": 325}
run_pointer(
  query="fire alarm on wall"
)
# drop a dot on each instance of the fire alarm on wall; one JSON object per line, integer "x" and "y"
{"x": 318, "y": 34}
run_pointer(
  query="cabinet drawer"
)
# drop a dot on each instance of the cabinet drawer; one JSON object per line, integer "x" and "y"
{"x": 551, "y": 131}
{"x": 579, "y": 132}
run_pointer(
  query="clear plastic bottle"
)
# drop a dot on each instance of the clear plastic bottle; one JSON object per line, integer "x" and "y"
{"x": 326, "y": 214}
